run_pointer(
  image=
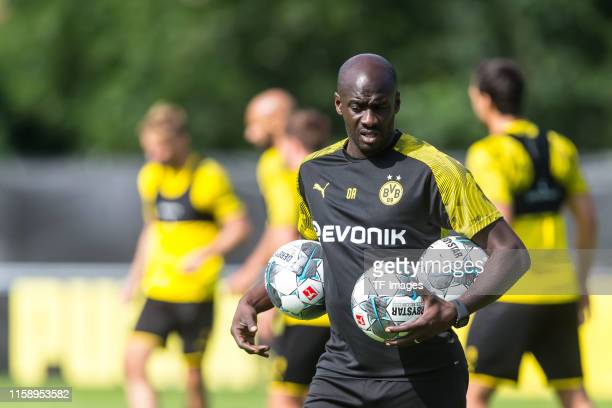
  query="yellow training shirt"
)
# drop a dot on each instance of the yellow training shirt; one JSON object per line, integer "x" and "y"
{"x": 185, "y": 208}
{"x": 278, "y": 186}
{"x": 502, "y": 167}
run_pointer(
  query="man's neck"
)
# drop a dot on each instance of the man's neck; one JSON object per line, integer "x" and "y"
{"x": 298, "y": 158}
{"x": 276, "y": 138}
{"x": 180, "y": 161}
{"x": 498, "y": 122}
{"x": 354, "y": 151}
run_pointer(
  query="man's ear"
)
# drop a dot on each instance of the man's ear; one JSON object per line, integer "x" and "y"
{"x": 487, "y": 101}
{"x": 338, "y": 103}
{"x": 481, "y": 100}
{"x": 398, "y": 101}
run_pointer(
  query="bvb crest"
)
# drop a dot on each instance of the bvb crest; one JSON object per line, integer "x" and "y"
{"x": 392, "y": 191}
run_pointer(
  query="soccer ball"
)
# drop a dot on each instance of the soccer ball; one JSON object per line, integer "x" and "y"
{"x": 379, "y": 302}
{"x": 294, "y": 279}
{"x": 450, "y": 266}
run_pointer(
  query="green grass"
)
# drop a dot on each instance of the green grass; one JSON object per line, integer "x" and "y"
{"x": 115, "y": 398}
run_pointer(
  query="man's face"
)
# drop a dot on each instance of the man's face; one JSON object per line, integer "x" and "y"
{"x": 162, "y": 147}
{"x": 368, "y": 110}
{"x": 481, "y": 102}
{"x": 258, "y": 127}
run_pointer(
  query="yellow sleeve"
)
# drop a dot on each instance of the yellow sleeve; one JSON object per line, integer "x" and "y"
{"x": 487, "y": 173}
{"x": 305, "y": 226}
{"x": 212, "y": 191}
{"x": 281, "y": 204}
{"x": 277, "y": 186}
{"x": 469, "y": 209}
{"x": 565, "y": 165}
{"x": 463, "y": 207}
{"x": 148, "y": 186}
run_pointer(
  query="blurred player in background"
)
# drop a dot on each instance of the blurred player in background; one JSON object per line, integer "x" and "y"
{"x": 270, "y": 121}
{"x": 301, "y": 342}
{"x": 530, "y": 174}
{"x": 265, "y": 122}
{"x": 191, "y": 219}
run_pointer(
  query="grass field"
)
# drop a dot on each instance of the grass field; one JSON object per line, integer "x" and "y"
{"x": 253, "y": 399}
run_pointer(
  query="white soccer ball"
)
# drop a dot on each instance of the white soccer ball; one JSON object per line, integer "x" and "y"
{"x": 379, "y": 302}
{"x": 449, "y": 267}
{"x": 294, "y": 279}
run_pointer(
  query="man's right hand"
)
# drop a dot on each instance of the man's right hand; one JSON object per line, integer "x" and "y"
{"x": 244, "y": 329}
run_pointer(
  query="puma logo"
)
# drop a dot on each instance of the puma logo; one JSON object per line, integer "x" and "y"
{"x": 318, "y": 187}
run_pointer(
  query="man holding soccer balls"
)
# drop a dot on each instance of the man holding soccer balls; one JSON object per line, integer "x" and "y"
{"x": 383, "y": 189}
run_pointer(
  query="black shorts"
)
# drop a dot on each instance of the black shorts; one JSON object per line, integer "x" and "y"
{"x": 297, "y": 350}
{"x": 439, "y": 389}
{"x": 502, "y": 332}
{"x": 192, "y": 321}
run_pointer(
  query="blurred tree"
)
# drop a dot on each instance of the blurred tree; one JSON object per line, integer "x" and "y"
{"x": 77, "y": 78}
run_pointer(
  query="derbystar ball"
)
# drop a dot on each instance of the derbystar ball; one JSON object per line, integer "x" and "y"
{"x": 294, "y": 279}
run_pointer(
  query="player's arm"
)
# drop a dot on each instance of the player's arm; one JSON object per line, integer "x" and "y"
{"x": 582, "y": 209}
{"x": 244, "y": 324}
{"x": 233, "y": 231}
{"x": 147, "y": 191}
{"x": 137, "y": 268}
{"x": 583, "y": 212}
{"x": 508, "y": 261}
{"x": 256, "y": 300}
{"x": 212, "y": 191}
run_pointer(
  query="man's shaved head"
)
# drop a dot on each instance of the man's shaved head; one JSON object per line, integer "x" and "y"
{"x": 367, "y": 99}
{"x": 363, "y": 65}
{"x": 266, "y": 116}
{"x": 272, "y": 102}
